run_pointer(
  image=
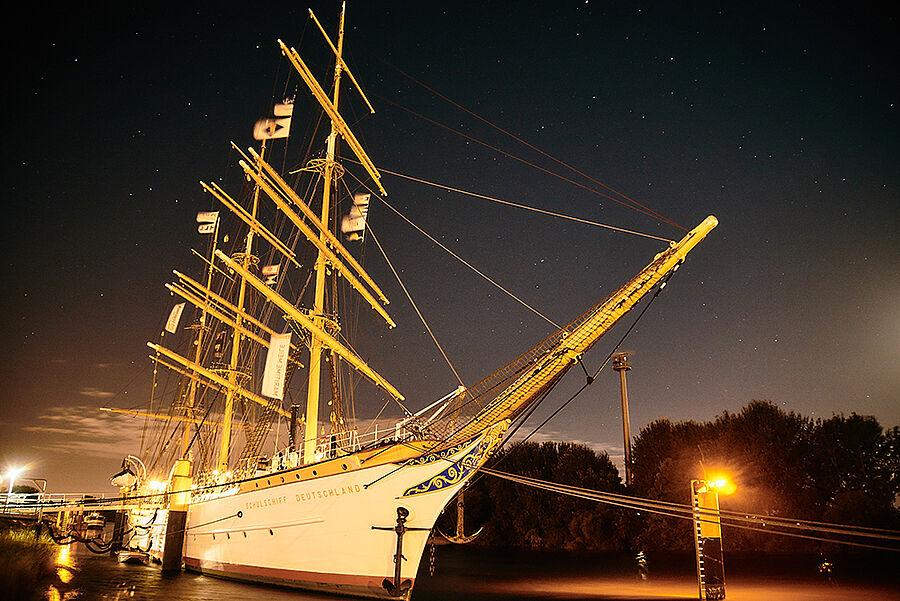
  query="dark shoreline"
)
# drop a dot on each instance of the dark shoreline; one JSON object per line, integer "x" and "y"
{"x": 27, "y": 561}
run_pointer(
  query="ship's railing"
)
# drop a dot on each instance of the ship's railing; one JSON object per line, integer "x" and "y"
{"x": 345, "y": 442}
{"x": 34, "y": 503}
{"x": 328, "y": 446}
{"x": 350, "y": 441}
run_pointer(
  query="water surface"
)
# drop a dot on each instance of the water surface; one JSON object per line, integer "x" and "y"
{"x": 476, "y": 574}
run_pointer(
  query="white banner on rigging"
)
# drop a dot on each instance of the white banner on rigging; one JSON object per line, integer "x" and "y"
{"x": 207, "y": 221}
{"x": 276, "y": 366}
{"x": 174, "y": 318}
{"x": 284, "y": 109}
{"x": 271, "y": 273}
{"x": 270, "y": 129}
{"x": 353, "y": 226}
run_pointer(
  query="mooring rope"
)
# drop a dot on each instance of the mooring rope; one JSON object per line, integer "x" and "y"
{"x": 730, "y": 518}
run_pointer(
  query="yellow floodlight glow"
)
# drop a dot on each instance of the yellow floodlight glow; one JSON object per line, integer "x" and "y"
{"x": 13, "y": 472}
{"x": 721, "y": 484}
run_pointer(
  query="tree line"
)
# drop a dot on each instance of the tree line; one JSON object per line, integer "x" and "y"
{"x": 843, "y": 469}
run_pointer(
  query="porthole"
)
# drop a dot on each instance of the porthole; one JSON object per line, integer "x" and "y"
{"x": 271, "y": 533}
{"x": 315, "y": 473}
{"x": 344, "y": 465}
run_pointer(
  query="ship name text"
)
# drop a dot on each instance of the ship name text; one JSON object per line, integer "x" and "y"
{"x": 267, "y": 502}
{"x": 328, "y": 493}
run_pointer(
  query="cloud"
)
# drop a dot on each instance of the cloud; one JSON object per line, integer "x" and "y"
{"x": 96, "y": 393}
{"x": 616, "y": 451}
{"x": 86, "y": 431}
{"x": 613, "y": 449}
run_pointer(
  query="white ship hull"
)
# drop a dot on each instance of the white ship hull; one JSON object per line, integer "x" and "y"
{"x": 147, "y": 532}
{"x": 333, "y": 533}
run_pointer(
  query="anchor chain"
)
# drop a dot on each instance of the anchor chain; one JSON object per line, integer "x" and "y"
{"x": 431, "y": 559}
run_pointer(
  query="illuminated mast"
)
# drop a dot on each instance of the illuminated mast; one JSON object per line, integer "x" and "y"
{"x": 318, "y": 316}
{"x": 325, "y": 240}
{"x": 198, "y": 346}
{"x": 246, "y": 259}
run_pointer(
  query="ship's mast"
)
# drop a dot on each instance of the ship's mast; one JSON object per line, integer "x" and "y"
{"x": 201, "y": 330}
{"x": 318, "y": 315}
{"x": 234, "y": 373}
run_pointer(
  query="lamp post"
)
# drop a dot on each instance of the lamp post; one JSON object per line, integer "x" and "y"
{"x": 621, "y": 365}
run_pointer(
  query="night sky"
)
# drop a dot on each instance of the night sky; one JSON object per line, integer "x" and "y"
{"x": 778, "y": 118}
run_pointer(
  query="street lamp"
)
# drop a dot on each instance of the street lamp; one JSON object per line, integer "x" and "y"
{"x": 621, "y": 365}
{"x": 12, "y": 473}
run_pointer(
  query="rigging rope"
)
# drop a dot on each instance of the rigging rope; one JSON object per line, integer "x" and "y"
{"x": 590, "y": 378}
{"x": 534, "y": 165}
{"x": 413, "y": 303}
{"x": 638, "y": 206}
{"x": 472, "y": 267}
{"x": 515, "y": 204}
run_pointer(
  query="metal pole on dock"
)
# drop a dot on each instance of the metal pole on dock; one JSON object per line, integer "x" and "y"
{"x": 621, "y": 365}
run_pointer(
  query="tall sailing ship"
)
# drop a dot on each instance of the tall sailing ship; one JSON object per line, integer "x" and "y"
{"x": 338, "y": 507}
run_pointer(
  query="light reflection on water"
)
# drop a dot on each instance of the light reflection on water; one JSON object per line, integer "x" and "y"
{"x": 65, "y": 571}
{"x": 93, "y": 577}
{"x": 473, "y": 574}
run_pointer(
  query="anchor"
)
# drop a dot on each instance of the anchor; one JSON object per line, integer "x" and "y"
{"x": 396, "y": 588}
{"x": 460, "y": 538}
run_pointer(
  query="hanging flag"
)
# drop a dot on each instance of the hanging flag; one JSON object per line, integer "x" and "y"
{"x": 174, "y": 318}
{"x": 284, "y": 109}
{"x": 207, "y": 221}
{"x": 219, "y": 346}
{"x": 269, "y": 129}
{"x": 276, "y": 366}
{"x": 271, "y": 274}
{"x": 353, "y": 225}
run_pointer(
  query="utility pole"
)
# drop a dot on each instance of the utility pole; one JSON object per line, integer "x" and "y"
{"x": 621, "y": 365}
